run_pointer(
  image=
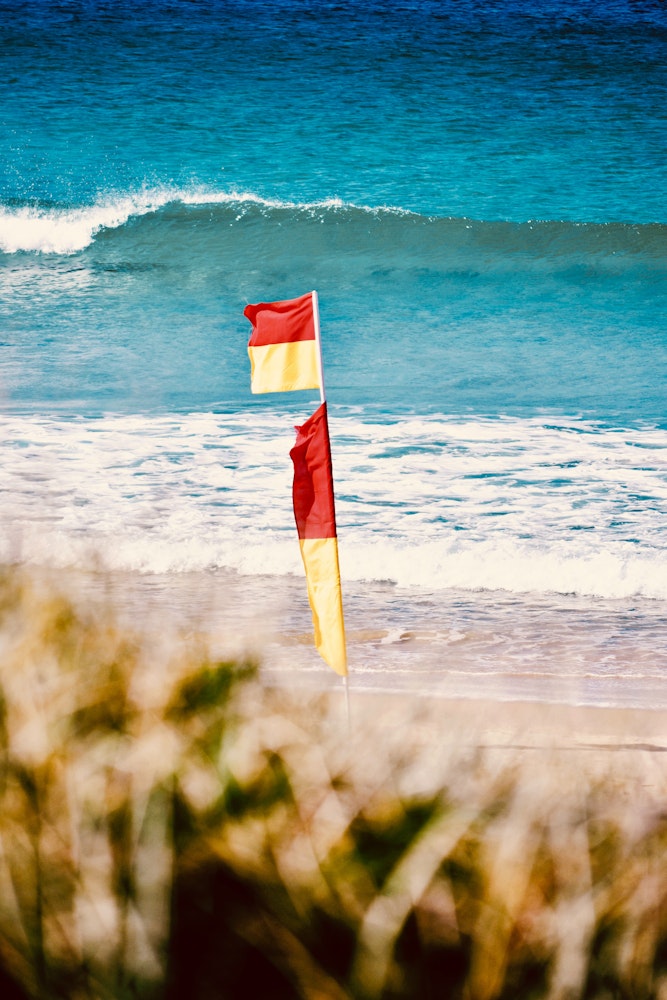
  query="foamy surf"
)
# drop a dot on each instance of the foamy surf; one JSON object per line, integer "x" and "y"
{"x": 426, "y": 503}
{"x": 66, "y": 231}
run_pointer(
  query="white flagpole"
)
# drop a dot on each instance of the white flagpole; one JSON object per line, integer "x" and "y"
{"x": 316, "y": 324}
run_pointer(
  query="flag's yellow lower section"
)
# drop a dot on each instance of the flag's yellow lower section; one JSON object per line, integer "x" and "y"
{"x": 320, "y": 559}
{"x": 283, "y": 367}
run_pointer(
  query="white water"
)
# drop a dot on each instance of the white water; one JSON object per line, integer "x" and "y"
{"x": 440, "y": 503}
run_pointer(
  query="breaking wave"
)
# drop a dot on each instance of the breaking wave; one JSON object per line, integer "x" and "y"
{"x": 56, "y": 230}
{"x": 494, "y": 244}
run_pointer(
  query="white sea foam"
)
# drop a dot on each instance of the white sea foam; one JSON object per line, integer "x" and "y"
{"x": 508, "y": 504}
{"x": 65, "y": 231}
{"x": 69, "y": 230}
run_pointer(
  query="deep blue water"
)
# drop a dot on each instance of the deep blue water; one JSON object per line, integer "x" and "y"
{"x": 522, "y": 147}
{"x": 505, "y": 110}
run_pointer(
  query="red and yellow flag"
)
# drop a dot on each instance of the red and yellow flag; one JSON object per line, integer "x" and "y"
{"x": 313, "y": 498}
{"x": 284, "y": 353}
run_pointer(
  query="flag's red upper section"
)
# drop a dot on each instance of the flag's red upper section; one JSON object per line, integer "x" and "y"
{"x": 312, "y": 491}
{"x": 281, "y": 322}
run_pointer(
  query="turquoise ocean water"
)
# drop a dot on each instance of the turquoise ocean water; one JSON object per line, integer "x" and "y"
{"x": 477, "y": 192}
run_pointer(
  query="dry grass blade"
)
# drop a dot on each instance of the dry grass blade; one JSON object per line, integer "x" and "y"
{"x": 171, "y": 827}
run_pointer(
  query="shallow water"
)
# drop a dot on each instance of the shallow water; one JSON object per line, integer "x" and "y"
{"x": 440, "y": 644}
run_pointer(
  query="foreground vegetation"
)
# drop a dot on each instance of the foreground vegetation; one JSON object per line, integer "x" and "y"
{"x": 171, "y": 828}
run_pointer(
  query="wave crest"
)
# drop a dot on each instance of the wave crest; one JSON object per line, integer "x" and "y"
{"x": 456, "y": 243}
{"x": 65, "y": 231}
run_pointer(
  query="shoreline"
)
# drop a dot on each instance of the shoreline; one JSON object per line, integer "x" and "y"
{"x": 510, "y": 725}
{"x": 466, "y": 654}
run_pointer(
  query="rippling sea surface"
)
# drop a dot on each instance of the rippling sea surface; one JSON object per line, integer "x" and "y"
{"x": 477, "y": 194}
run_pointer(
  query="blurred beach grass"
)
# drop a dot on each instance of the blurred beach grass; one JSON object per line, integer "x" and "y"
{"x": 171, "y": 826}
